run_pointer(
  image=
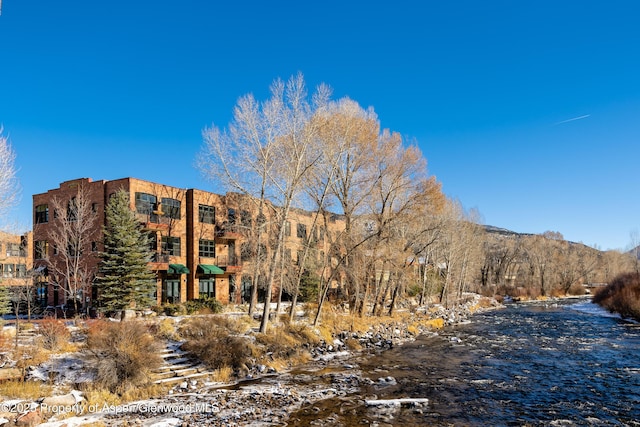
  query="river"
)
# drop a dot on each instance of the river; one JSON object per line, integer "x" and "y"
{"x": 565, "y": 363}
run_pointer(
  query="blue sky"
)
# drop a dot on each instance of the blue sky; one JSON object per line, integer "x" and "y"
{"x": 486, "y": 88}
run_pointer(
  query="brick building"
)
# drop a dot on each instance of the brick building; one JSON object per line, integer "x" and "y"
{"x": 16, "y": 261}
{"x": 198, "y": 238}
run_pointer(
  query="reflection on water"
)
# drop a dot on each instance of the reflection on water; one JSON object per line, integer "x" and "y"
{"x": 529, "y": 364}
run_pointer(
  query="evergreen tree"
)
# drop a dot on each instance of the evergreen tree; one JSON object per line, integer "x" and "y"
{"x": 124, "y": 280}
{"x": 5, "y": 300}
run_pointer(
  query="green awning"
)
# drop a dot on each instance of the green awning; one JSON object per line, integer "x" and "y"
{"x": 177, "y": 269}
{"x": 209, "y": 269}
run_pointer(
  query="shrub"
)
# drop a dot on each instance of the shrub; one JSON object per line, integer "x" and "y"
{"x": 203, "y": 306}
{"x": 214, "y": 345}
{"x": 124, "y": 354}
{"x": 621, "y": 296}
{"x": 164, "y": 328}
{"x": 27, "y": 356}
{"x": 174, "y": 310}
{"x": 54, "y": 335}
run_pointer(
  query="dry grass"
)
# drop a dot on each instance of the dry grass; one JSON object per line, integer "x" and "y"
{"x": 124, "y": 354}
{"x": 353, "y": 344}
{"x": 6, "y": 341}
{"x": 278, "y": 342}
{"x": 16, "y": 389}
{"x": 222, "y": 374}
{"x": 53, "y": 334}
{"x": 27, "y": 356}
{"x": 213, "y": 344}
{"x": 164, "y": 329}
{"x": 98, "y": 397}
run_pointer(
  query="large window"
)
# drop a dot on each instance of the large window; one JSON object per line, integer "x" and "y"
{"x": 207, "y": 248}
{"x": 41, "y": 249}
{"x": 171, "y": 208}
{"x": 207, "y": 214}
{"x": 42, "y": 214}
{"x": 145, "y": 203}
{"x": 13, "y": 249}
{"x": 207, "y": 288}
{"x": 171, "y": 291}
{"x": 171, "y": 246}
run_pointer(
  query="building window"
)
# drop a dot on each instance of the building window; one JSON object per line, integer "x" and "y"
{"x": 13, "y": 249}
{"x": 72, "y": 210}
{"x": 287, "y": 228}
{"x": 207, "y": 214}
{"x": 207, "y": 248}
{"x": 94, "y": 246}
{"x": 245, "y": 219}
{"x": 24, "y": 245}
{"x": 207, "y": 288}
{"x": 8, "y": 270}
{"x": 94, "y": 207}
{"x": 42, "y": 214}
{"x": 21, "y": 270}
{"x": 171, "y": 208}
{"x": 231, "y": 216}
{"x": 171, "y": 246}
{"x": 248, "y": 251}
{"x": 302, "y": 231}
{"x": 74, "y": 250}
{"x": 145, "y": 203}
{"x": 41, "y": 297}
{"x": 153, "y": 242}
{"x": 41, "y": 249}
{"x": 171, "y": 291}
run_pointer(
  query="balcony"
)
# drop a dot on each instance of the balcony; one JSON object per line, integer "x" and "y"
{"x": 154, "y": 222}
{"x": 159, "y": 261}
{"x": 227, "y": 233}
{"x": 230, "y": 264}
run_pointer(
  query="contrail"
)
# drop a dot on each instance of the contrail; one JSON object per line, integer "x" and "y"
{"x": 575, "y": 118}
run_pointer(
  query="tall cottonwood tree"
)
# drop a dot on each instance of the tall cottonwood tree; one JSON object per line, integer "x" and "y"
{"x": 124, "y": 279}
{"x": 265, "y": 155}
{"x": 72, "y": 233}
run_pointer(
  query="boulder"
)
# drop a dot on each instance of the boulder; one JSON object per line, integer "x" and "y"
{"x": 68, "y": 399}
{"x": 29, "y": 419}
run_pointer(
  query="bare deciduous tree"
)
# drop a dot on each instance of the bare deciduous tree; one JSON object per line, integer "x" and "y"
{"x": 265, "y": 155}
{"x": 72, "y": 232}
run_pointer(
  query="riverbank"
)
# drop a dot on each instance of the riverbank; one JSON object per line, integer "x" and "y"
{"x": 263, "y": 396}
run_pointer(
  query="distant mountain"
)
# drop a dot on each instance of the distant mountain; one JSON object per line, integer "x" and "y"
{"x": 503, "y": 231}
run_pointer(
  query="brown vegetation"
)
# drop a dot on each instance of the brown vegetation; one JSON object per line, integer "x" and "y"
{"x": 213, "y": 343}
{"x": 621, "y": 296}
{"x": 54, "y": 335}
{"x": 124, "y": 353}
